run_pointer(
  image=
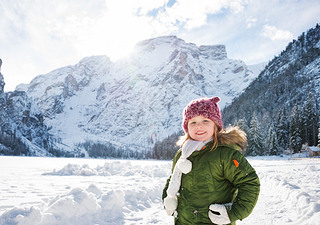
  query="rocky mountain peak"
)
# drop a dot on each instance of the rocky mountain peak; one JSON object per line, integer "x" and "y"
{"x": 175, "y": 45}
{"x": 217, "y": 52}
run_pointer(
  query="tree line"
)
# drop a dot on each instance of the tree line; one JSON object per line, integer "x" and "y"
{"x": 286, "y": 134}
{"x": 109, "y": 150}
{"x": 11, "y": 145}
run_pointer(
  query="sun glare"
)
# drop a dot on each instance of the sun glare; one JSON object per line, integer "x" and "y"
{"x": 114, "y": 34}
{"x": 119, "y": 48}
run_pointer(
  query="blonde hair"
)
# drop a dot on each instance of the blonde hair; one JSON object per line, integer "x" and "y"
{"x": 232, "y": 135}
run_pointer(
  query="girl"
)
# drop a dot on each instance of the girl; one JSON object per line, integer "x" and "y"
{"x": 211, "y": 181}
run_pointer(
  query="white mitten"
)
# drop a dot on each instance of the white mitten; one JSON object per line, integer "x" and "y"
{"x": 170, "y": 204}
{"x": 184, "y": 165}
{"x": 218, "y": 214}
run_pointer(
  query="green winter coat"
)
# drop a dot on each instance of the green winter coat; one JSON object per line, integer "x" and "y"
{"x": 218, "y": 176}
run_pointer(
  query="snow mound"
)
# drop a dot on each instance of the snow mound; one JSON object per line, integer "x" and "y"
{"x": 79, "y": 206}
{"x": 111, "y": 169}
{"x": 84, "y": 207}
{"x": 111, "y": 205}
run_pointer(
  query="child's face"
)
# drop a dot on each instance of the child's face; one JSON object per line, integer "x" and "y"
{"x": 200, "y": 128}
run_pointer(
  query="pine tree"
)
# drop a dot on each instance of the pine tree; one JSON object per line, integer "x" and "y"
{"x": 295, "y": 141}
{"x": 282, "y": 130}
{"x": 255, "y": 146}
{"x": 156, "y": 151}
{"x": 272, "y": 142}
{"x": 242, "y": 124}
{"x": 309, "y": 121}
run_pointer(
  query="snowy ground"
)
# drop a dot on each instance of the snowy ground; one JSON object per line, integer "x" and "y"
{"x": 51, "y": 191}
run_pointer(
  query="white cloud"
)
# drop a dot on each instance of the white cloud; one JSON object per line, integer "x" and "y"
{"x": 274, "y": 34}
{"x": 193, "y": 14}
{"x": 251, "y": 22}
{"x": 237, "y": 5}
{"x": 145, "y": 6}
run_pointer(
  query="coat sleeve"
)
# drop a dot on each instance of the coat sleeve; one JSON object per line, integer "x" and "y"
{"x": 175, "y": 159}
{"x": 240, "y": 173}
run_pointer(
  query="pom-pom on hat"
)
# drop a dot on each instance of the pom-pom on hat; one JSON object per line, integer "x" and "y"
{"x": 206, "y": 107}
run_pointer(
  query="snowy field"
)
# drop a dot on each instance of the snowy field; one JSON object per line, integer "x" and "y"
{"x": 51, "y": 191}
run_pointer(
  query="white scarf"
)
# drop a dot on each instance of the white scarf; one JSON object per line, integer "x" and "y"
{"x": 183, "y": 165}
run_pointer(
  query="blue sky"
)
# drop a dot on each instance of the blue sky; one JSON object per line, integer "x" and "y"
{"x": 39, "y": 36}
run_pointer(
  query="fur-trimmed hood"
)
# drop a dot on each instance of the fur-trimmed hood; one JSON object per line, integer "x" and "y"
{"x": 233, "y": 136}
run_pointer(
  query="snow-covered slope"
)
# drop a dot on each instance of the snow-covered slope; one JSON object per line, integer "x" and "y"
{"x": 138, "y": 99}
{"x": 47, "y": 191}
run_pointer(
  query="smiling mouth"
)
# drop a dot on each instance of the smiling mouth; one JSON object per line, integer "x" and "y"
{"x": 200, "y": 133}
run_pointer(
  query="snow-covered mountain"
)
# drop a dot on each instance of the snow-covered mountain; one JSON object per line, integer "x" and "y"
{"x": 139, "y": 99}
{"x": 22, "y": 130}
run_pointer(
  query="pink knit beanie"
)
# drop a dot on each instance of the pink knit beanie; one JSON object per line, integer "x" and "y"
{"x": 206, "y": 107}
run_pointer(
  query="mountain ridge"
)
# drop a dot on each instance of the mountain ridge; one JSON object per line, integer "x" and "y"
{"x": 287, "y": 87}
{"x": 138, "y": 100}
